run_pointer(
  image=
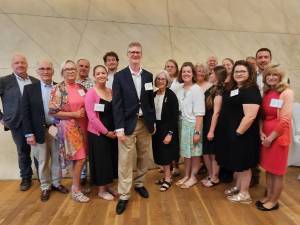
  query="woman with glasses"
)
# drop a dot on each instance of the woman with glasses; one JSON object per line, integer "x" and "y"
{"x": 67, "y": 105}
{"x": 238, "y": 145}
{"x": 165, "y": 142}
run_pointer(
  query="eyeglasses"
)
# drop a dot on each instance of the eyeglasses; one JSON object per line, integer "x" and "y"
{"x": 45, "y": 69}
{"x": 161, "y": 79}
{"x": 135, "y": 52}
{"x": 70, "y": 69}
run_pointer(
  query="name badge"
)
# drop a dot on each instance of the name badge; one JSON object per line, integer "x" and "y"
{"x": 52, "y": 130}
{"x": 276, "y": 103}
{"x": 148, "y": 86}
{"x": 234, "y": 92}
{"x": 99, "y": 107}
{"x": 81, "y": 92}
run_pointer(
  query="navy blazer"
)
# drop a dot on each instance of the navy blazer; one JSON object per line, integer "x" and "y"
{"x": 126, "y": 103}
{"x": 33, "y": 113}
{"x": 11, "y": 101}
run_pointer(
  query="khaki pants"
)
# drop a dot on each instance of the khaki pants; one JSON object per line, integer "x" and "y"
{"x": 140, "y": 142}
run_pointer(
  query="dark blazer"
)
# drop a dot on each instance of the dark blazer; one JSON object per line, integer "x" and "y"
{"x": 169, "y": 112}
{"x": 11, "y": 101}
{"x": 33, "y": 113}
{"x": 126, "y": 102}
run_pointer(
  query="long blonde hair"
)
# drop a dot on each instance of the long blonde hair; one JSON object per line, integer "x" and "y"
{"x": 275, "y": 69}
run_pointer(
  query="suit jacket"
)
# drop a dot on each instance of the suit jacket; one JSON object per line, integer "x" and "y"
{"x": 11, "y": 101}
{"x": 169, "y": 112}
{"x": 126, "y": 103}
{"x": 33, "y": 113}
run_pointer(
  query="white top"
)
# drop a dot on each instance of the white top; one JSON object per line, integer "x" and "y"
{"x": 158, "y": 101}
{"x": 110, "y": 80}
{"x": 22, "y": 82}
{"x": 175, "y": 85}
{"x": 137, "y": 80}
{"x": 191, "y": 103}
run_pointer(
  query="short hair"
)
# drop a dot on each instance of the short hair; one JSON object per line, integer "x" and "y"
{"x": 272, "y": 69}
{"x": 82, "y": 59}
{"x": 175, "y": 63}
{"x": 166, "y": 75}
{"x": 263, "y": 50}
{"x": 204, "y": 68}
{"x": 62, "y": 66}
{"x": 251, "y": 81}
{"x": 187, "y": 64}
{"x": 134, "y": 44}
{"x": 111, "y": 54}
{"x": 250, "y": 57}
{"x": 98, "y": 66}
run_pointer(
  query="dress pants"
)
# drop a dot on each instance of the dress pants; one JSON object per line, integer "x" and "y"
{"x": 140, "y": 142}
{"x": 48, "y": 158}
{"x": 23, "y": 149}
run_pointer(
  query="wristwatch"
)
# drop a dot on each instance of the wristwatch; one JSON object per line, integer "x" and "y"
{"x": 170, "y": 132}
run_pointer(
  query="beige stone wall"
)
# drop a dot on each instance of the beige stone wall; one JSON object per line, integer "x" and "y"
{"x": 186, "y": 30}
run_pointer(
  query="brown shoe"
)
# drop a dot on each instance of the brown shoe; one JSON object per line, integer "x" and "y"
{"x": 61, "y": 189}
{"x": 45, "y": 195}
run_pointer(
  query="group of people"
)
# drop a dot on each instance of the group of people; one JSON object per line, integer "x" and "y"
{"x": 233, "y": 117}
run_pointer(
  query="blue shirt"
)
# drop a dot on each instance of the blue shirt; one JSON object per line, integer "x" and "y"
{"x": 46, "y": 91}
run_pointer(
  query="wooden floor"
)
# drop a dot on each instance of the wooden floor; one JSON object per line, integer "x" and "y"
{"x": 197, "y": 205}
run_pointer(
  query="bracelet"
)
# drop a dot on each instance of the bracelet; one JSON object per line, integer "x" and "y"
{"x": 196, "y": 132}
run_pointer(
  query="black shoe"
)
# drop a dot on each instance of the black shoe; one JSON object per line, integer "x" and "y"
{"x": 262, "y": 208}
{"x": 45, "y": 195}
{"x": 258, "y": 203}
{"x": 25, "y": 184}
{"x": 142, "y": 191}
{"x": 121, "y": 206}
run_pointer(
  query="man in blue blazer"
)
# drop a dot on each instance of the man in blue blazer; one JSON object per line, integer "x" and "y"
{"x": 134, "y": 118}
{"x": 11, "y": 91}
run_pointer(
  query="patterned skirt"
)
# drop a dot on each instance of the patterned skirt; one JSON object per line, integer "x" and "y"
{"x": 186, "y": 132}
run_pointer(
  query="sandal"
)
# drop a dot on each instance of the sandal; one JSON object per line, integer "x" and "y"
{"x": 106, "y": 196}
{"x": 181, "y": 181}
{"x": 112, "y": 191}
{"x": 231, "y": 191}
{"x": 165, "y": 186}
{"x": 80, "y": 197}
{"x": 211, "y": 183}
{"x": 188, "y": 184}
{"x": 205, "y": 180}
{"x": 241, "y": 198}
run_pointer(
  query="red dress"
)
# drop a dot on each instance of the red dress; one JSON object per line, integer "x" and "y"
{"x": 274, "y": 159}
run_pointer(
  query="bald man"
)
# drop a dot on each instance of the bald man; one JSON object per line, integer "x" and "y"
{"x": 11, "y": 91}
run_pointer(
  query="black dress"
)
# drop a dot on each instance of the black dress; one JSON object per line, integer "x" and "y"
{"x": 103, "y": 151}
{"x": 209, "y": 146}
{"x": 164, "y": 154}
{"x": 233, "y": 152}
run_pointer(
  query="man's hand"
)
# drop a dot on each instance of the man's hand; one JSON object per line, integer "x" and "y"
{"x": 31, "y": 140}
{"x": 121, "y": 136}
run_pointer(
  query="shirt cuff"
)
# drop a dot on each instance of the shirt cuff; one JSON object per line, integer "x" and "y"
{"x": 28, "y": 135}
{"x": 119, "y": 130}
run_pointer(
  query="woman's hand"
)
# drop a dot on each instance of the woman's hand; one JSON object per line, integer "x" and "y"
{"x": 262, "y": 136}
{"x": 167, "y": 139}
{"x": 111, "y": 135}
{"x": 267, "y": 142}
{"x": 79, "y": 114}
{"x": 210, "y": 136}
{"x": 196, "y": 138}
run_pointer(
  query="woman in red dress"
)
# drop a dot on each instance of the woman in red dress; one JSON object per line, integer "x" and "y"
{"x": 275, "y": 132}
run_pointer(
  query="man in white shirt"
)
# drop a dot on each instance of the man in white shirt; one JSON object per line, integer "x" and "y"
{"x": 263, "y": 59}
{"x": 111, "y": 61}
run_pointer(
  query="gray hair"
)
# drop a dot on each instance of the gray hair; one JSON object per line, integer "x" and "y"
{"x": 166, "y": 75}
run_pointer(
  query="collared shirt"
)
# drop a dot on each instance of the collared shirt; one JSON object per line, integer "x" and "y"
{"x": 46, "y": 91}
{"x": 22, "y": 82}
{"x": 110, "y": 80}
{"x": 158, "y": 101}
{"x": 260, "y": 83}
{"x": 137, "y": 80}
{"x": 87, "y": 83}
